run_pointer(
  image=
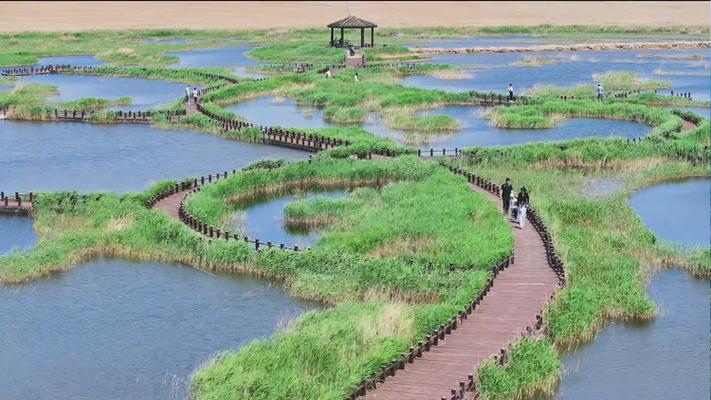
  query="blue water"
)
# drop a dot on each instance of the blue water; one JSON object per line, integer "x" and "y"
{"x": 116, "y": 158}
{"x": 228, "y": 57}
{"x": 16, "y": 234}
{"x": 477, "y": 131}
{"x": 494, "y": 71}
{"x": 264, "y": 220}
{"x": 528, "y": 40}
{"x": 283, "y": 111}
{"x": 113, "y": 329}
{"x": 83, "y": 60}
{"x": 676, "y": 212}
{"x": 668, "y": 357}
{"x": 144, "y": 93}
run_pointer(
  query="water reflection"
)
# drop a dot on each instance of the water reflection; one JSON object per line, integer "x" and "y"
{"x": 264, "y": 219}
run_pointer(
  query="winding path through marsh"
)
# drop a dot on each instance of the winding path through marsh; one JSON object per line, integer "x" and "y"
{"x": 518, "y": 295}
{"x": 513, "y": 304}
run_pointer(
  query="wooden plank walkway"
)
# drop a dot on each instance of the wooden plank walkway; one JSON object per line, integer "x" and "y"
{"x": 518, "y": 295}
{"x": 171, "y": 204}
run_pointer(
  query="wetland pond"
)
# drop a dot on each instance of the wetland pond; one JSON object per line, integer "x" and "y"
{"x": 116, "y": 158}
{"x": 667, "y": 357}
{"x": 264, "y": 218}
{"x": 474, "y": 129}
{"x": 114, "y": 329}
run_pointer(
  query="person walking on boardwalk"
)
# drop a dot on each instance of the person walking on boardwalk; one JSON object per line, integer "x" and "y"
{"x": 195, "y": 95}
{"x": 511, "y": 96}
{"x": 188, "y": 93}
{"x": 506, "y": 189}
{"x": 600, "y": 91}
{"x": 522, "y": 205}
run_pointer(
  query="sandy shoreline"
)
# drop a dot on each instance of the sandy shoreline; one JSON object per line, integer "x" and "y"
{"x": 78, "y": 16}
{"x": 686, "y": 45}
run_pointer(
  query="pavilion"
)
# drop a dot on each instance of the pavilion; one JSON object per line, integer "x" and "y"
{"x": 352, "y": 23}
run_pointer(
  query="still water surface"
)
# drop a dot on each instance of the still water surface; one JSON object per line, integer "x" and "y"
{"x": 116, "y": 158}
{"x": 264, "y": 219}
{"x": 668, "y": 357}
{"x": 122, "y": 330}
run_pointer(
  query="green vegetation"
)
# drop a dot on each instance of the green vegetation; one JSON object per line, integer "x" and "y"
{"x": 532, "y": 366}
{"x": 383, "y": 260}
{"x": 549, "y": 113}
{"x": 386, "y": 295}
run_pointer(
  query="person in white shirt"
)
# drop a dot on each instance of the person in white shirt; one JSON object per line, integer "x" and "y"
{"x": 328, "y": 73}
{"x": 511, "y": 96}
{"x": 187, "y": 92}
{"x": 357, "y": 79}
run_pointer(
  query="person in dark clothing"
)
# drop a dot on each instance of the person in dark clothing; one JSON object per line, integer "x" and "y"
{"x": 522, "y": 197}
{"x": 506, "y": 189}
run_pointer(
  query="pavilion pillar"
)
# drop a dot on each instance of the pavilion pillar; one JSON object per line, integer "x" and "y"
{"x": 372, "y": 34}
{"x": 342, "y": 42}
{"x": 331, "y": 37}
{"x": 362, "y": 37}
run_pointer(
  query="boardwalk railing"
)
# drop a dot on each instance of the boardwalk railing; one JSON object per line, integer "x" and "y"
{"x": 17, "y": 202}
{"x": 409, "y": 357}
{"x": 554, "y": 262}
{"x": 117, "y": 116}
{"x": 35, "y": 70}
{"x": 277, "y": 136}
{"x": 207, "y": 230}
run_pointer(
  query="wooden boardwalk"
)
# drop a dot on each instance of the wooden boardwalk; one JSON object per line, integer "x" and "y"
{"x": 171, "y": 204}
{"x": 518, "y": 295}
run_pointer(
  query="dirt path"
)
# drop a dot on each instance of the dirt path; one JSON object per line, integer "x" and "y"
{"x": 78, "y": 16}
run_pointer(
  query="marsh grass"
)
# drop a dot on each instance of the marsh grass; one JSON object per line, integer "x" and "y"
{"x": 609, "y": 256}
{"x": 381, "y": 305}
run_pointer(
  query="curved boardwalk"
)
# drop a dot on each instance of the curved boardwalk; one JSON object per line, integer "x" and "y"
{"x": 519, "y": 293}
{"x": 171, "y": 204}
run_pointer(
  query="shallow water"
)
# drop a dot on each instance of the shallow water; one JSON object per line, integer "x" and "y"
{"x": 477, "y": 131}
{"x": 285, "y": 112}
{"x": 167, "y": 41}
{"x": 668, "y": 357}
{"x": 676, "y": 211}
{"x": 264, "y": 220}
{"x": 494, "y": 71}
{"x": 116, "y": 158}
{"x": 602, "y": 187}
{"x": 82, "y": 60}
{"x": 16, "y": 233}
{"x": 144, "y": 93}
{"x": 528, "y": 40}
{"x": 115, "y": 329}
{"x": 234, "y": 57}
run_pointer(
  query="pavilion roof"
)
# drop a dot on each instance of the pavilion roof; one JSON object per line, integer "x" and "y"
{"x": 352, "y": 22}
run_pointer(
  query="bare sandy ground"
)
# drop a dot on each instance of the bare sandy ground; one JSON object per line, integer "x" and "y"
{"x": 76, "y": 16}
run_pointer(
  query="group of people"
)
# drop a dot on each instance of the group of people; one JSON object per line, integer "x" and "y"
{"x": 192, "y": 93}
{"x": 518, "y": 212}
{"x": 329, "y": 74}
